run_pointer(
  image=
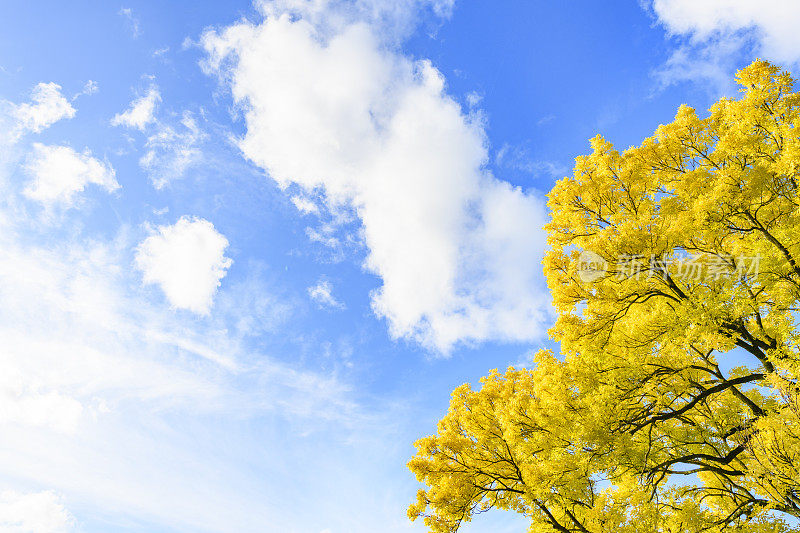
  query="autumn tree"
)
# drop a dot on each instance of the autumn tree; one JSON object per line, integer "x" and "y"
{"x": 674, "y": 407}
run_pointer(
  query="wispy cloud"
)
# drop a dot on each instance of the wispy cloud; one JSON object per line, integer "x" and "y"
{"x": 518, "y": 157}
{"x": 89, "y": 88}
{"x": 132, "y": 21}
{"x": 546, "y": 119}
{"x": 171, "y": 146}
{"x": 711, "y": 65}
{"x": 140, "y": 112}
{"x": 322, "y": 293}
{"x": 172, "y": 150}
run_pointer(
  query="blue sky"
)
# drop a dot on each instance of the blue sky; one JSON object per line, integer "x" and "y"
{"x": 249, "y": 249}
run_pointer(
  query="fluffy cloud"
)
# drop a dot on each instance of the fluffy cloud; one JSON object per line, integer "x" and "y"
{"x": 717, "y": 30}
{"x": 187, "y": 261}
{"x": 59, "y": 173}
{"x": 322, "y": 293}
{"x": 772, "y": 22}
{"x": 172, "y": 150}
{"x": 40, "y": 512}
{"x": 47, "y": 107}
{"x": 141, "y": 111}
{"x": 328, "y": 107}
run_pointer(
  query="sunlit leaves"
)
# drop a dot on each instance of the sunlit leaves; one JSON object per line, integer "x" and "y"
{"x": 675, "y": 405}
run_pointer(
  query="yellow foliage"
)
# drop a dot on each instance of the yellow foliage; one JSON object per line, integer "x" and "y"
{"x": 663, "y": 259}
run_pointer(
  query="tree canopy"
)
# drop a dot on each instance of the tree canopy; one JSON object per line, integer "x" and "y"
{"x": 674, "y": 406}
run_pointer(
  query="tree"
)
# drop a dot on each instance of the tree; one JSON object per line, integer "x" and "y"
{"x": 675, "y": 270}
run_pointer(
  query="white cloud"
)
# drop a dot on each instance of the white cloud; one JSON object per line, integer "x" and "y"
{"x": 715, "y": 31}
{"x": 126, "y": 407}
{"x": 23, "y": 404}
{"x": 153, "y": 419}
{"x": 187, "y": 261}
{"x": 474, "y": 99}
{"x": 133, "y": 21}
{"x": 74, "y": 334}
{"x": 40, "y": 512}
{"x": 59, "y": 173}
{"x": 89, "y": 88}
{"x": 171, "y": 151}
{"x": 773, "y": 23}
{"x": 322, "y": 293}
{"x": 140, "y": 112}
{"x": 711, "y": 63}
{"x": 136, "y": 412}
{"x": 304, "y": 205}
{"x": 171, "y": 148}
{"x": 328, "y": 107}
{"x": 48, "y": 106}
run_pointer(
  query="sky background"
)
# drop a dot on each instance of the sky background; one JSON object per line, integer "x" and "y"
{"x": 247, "y": 250}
